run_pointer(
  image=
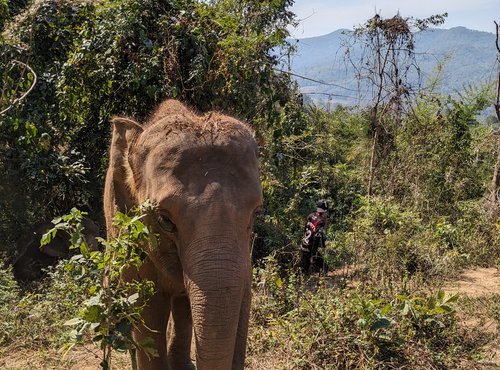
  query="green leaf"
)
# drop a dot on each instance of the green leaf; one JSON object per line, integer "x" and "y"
{"x": 381, "y": 323}
{"x": 47, "y": 237}
{"x": 446, "y": 308}
{"x": 386, "y": 309}
{"x": 133, "y": 298}
{"x": 452, "y": 298}
{"x": 74, "y": 321}
{"x": 279, "y": 282}
{"x": 440, "y": 296}
{"x": 83, "y": 248}
{"x": 175, "y": 91}
{"x": 93, "y": 314}
{"x": 56, "y": 220}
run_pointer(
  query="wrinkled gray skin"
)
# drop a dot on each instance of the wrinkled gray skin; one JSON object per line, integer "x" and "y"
{"x": 202, "y": 171}
{"x": 32, "y": 258}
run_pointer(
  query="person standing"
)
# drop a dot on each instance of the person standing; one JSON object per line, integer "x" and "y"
{"x": 314, "y": 238}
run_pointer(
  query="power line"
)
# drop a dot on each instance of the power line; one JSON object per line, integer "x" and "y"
{"x": 313, "y": 80}
{"x": 329, "y": 95}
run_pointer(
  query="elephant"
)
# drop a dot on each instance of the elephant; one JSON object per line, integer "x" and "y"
{"x": 32, "y": 258}
{"x": 201, "y": 170}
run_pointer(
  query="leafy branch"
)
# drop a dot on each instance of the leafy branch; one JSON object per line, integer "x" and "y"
{"x": 114, "y": 304}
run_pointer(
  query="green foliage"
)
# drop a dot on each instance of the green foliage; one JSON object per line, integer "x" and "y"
{"x": 4, "y": 13}
{"x": 114, "y": 304}
{"x": 438, "y": 161}
{"x": 308, "y": 155}
{"x": 88, "y": 292}
{"x": 426, "y": 313}
{"x": 9, "y": 293}
{"x": 98, "y": 59}
{"x": 35, "y": 319}
{"x": 391, "y": 243}
{"x": 333, "y": 328}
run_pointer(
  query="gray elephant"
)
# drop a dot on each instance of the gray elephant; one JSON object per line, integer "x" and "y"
{"x": 32, "y": 259}
{"x": 202, "y": 171}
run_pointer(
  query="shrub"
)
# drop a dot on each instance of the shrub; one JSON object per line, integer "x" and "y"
{"x": 324, "y": 327}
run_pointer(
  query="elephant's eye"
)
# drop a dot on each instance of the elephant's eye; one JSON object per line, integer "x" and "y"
{"x": 166, "y": 224}
{"x": 257, "y": 211}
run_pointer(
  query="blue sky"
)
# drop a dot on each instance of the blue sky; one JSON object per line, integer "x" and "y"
{"x": 319, "y": 17}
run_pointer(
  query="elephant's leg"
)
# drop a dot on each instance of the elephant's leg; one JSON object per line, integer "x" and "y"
{"x": 155, "y": 316}
{"x": 180, "y": 334}
{"x": 241, "y": 334}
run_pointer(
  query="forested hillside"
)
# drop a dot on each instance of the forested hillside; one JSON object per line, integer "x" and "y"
{"x": 411, "y": 177}
{"x": 454, "y": 58}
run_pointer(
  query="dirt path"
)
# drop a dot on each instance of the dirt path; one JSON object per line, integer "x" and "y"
{"x": 479, "y": 285}
{"x": 475, "y": 283}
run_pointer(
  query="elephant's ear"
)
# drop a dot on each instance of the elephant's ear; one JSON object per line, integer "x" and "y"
{"x": 119, "y": 193}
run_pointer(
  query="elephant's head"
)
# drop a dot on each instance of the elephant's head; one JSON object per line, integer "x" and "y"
{"x": 202, "y": 171}
{"x": 32, "y": 258}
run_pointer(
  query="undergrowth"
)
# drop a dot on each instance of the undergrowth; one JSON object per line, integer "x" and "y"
{"x": 330, "y": 323}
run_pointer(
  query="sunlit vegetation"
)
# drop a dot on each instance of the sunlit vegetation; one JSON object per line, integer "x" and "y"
{"x": 409, "y": 179}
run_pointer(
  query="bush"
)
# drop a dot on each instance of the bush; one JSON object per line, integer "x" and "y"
{"x": 329, "y": 328}
{"x": 392, "y": 243}
{"x": 36, "y": 318}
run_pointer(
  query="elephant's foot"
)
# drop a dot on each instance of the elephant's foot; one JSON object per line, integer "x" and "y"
{"x": 181, "y": 364}
{"x": 153, "y": 364}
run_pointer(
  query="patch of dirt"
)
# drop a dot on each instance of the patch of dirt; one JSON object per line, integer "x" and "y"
{"x": 266, "y": 361}
{"x": 476, "y": 282}
{"x": 87, "y": 358}
{"x": 79, "y": 358}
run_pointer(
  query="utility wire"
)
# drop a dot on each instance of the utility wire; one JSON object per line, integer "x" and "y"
{"x": 328, "y": 94}
{"x": 313, "y": 80}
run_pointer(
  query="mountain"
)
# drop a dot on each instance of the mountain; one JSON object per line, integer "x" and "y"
{"x": 467, "y": 57}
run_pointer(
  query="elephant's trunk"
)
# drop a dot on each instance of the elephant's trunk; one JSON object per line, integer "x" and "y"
{"x": 217, "y": 277}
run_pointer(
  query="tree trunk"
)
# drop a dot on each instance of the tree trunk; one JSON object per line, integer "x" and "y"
{"x": 495, "y": 182}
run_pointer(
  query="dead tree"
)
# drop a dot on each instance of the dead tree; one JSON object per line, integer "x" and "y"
{"x": 495, "y": 182}
{"x": 385, "y": 63}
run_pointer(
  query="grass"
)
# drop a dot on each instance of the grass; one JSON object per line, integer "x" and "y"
{"x": 330, "y": 323}
{"x": 341, "y": 321}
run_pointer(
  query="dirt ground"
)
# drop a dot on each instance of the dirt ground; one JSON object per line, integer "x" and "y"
{"x": 471, "y": 283}
{"x": 477, "y": 282}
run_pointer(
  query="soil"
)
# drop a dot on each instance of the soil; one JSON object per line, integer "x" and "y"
{"x": 473, "y": 283}
{"x": 477, "y": 283}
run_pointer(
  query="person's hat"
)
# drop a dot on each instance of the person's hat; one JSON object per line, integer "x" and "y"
{"x": 322, "y": 206}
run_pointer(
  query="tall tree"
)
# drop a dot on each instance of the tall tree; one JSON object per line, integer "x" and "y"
{"x": 100, "y": 58}
{"x": 495, "y": 182}
{"x": 386, "y": 64}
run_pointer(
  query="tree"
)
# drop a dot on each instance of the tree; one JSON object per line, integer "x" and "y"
{"x": 495, "y": 182}
{"x": 387, "y": 64}
{"x": 96, "y": 59}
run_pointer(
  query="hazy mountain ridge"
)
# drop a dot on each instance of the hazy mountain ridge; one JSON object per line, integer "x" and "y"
{"x": 467, "y": 56}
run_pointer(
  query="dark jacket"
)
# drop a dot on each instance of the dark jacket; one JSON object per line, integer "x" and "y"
{"x": 314, "y": 233}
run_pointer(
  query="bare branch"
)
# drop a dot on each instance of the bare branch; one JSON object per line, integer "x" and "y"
{"x": 497, "y": 29}
{"x": 497, "y": 103}
{"x": 22, "y": 97}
